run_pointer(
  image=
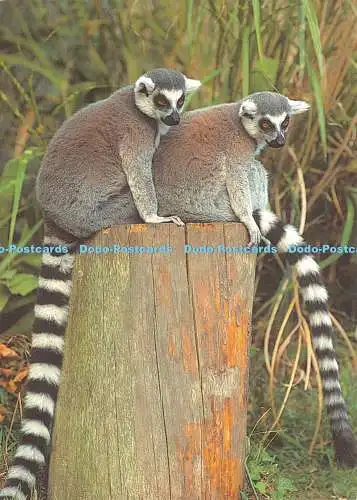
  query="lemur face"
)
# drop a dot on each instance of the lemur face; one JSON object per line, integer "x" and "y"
{"x": 266, "y": 117}
{"x": 268, "y": 129}
{"x": 161, "y": 93}
{"x": 168, "y": 105}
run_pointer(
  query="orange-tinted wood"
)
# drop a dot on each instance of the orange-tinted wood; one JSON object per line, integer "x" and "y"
{"x": 153, "y": 398}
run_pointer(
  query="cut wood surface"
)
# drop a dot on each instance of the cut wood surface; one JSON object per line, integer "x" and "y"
{"x": 153, "y": 398}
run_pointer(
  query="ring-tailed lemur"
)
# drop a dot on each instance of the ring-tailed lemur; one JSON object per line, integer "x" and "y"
{"x": 206, "y": 171}
{"x": 96, "y": 173}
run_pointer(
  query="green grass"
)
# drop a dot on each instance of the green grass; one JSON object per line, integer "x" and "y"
{"x": 279, "y": 464}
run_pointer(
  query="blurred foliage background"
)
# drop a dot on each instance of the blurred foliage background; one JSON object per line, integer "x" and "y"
{"x": 58, "y": 55}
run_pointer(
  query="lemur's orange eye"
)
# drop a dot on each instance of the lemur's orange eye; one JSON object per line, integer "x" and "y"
{"x": 285, "y": 122}
{"x": 265, "y": 124}
{"x": 181, "y": 101}
{"x": 161, "y": 101}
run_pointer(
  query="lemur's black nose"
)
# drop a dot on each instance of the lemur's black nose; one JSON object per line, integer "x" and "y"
{"x": 172, "y": 119}
{"x": 278, "y": 142}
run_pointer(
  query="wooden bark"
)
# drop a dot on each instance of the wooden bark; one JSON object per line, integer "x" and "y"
{"x": 153, "y": 398}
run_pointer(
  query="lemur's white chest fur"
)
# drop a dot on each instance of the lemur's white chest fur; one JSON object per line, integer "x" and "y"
{"x": 162, "y": 129}
{"x": 259, "y": 148}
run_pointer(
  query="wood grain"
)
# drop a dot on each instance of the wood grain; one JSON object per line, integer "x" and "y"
{"x": 153, "y": 398}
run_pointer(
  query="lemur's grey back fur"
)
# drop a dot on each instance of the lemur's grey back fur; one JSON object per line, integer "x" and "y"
{"x": 96, "y": 173}
{"x": 206, "y": 171}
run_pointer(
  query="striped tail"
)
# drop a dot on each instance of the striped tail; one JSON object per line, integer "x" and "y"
{"x": 315, "y": 298}
{"x": 51, "y": 312}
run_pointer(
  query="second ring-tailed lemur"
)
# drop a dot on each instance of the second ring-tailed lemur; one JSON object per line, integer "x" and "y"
{"x": 206, "y": 171}
{"x": 97, "y": 167}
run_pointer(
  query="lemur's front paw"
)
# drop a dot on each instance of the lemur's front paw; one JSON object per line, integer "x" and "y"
{"x": 255, "y": 238}
{"x": 176, "y": 220}
{"x": 157, "y": 219}
{"x": 255, "y": 235}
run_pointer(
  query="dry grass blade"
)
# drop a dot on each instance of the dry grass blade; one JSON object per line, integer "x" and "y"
{"x": 312, "y": 356}
{"x": 17, "y": 405}
{"x": 23, "y": 133}
{"x": 303, "y": 200}
{"x": 285, "y": 344}
{"x": 344, "y": 335}
{"x": 290, "y": 385}
{"x": 273, "y": 363}
{"x": 270, "y": 325}
{"x": 336, "y": 202}
{"x": 320, "y": 402}
{"x": 332, "y": 170}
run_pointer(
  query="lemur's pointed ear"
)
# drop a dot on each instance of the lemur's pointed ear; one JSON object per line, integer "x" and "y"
{"x": 144, "y": 85}
{"x": 248, "y": 108}
{"x": 191, "y": 85}
{"x": 298, "y": 107}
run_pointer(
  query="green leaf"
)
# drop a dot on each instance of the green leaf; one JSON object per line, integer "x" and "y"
{"x": 254, "y": 472}
{"x": 200, "y": 16}
{"x": 32, "y": 260}
{"x": 285, "y": 484}
{"x": 97, "y": 61}
{"x": 302, "y": 40}
{"x": 7, "y": 185}
{"x": 256, "y": 15}
{"x": 12, "y": 166}
{"x": 245, "y": 61}
{"x": 4, "y": 296}
{"x": 27, "y": 43}
{"x": 25, "y": 238}
{"x": 53, "y": 76}
{"x": 283, "y": 487}
{"x": 353, "y": 6}
{"x": 313, "y": 23}
{"x": 83, "y": 87}
{"x": 316, "y": 85}
{"x": 19, "y": 302}
{"x": 22, "y": 284}
{"x": 260, "y": 486}
{"x": 189, "y": 20}
{"x": 264, "y": 74}
{"x": 204, "y": 80}
{"x": 8, "y": 275}
{"x": 22, "y": 326}
{"x": 210, "y": 76}
{"x": 23, "y": 162}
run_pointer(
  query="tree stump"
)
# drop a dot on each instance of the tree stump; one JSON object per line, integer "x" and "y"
{"x": 153, "y": 397}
